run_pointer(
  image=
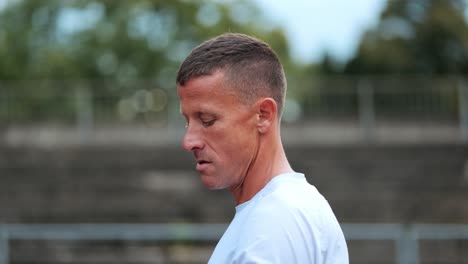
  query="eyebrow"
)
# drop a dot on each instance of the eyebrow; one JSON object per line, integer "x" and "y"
{"x": 205, "y": 114}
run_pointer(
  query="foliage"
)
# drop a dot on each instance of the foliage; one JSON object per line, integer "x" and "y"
{"x": 78, "y": 42}
{"x": 414, "y": 44}
{"x": 126, "y": 53}
{"x": 415, "y": 37}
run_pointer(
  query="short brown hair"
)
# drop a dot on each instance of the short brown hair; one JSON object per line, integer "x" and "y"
{"x": 250, "y": 64}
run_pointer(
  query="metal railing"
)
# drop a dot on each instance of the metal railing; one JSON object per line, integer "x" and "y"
{"x": 406, "y": 237}
{"x": 365, "y": 100}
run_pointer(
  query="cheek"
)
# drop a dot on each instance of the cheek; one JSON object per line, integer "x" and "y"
{"x": 234, "y": 144}
{"x": 238, "y": 148}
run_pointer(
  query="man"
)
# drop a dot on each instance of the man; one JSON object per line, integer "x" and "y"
{"x": 232, "y": 91}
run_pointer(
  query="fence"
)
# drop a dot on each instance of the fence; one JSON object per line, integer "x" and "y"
{"x": 406, "y": 237}
{"x": 367, "y": 101}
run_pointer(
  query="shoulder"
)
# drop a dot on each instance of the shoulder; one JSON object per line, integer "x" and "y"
{"x": 296, "y": 201}
{"x": 294, "y": 210}
{"x": 290, "y": 223}
{"x": 284, "y": 225}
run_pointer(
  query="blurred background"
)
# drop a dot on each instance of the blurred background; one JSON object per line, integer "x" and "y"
{"x": 91, "y": 164}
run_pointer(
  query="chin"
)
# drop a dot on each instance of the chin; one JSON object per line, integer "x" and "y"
{"x": 210, "y": 182}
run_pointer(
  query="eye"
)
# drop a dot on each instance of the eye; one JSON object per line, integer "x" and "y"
{"x": 208, "y": 123}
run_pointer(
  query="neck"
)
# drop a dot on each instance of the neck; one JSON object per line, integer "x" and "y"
{"x": 269, "y": 162}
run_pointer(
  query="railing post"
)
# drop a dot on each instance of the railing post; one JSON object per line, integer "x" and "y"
{"x": 84, "y": 112}
{"x": 5, "y": 101}
{"x": 4, "y": 249}
{"x": 366, "y": 110}
{"x": 175, "y": 118}
{"x": 463, "y": 108}
{"x": 408, "y": 246}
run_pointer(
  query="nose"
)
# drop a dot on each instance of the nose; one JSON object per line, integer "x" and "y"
{"x": 192, "y": 140}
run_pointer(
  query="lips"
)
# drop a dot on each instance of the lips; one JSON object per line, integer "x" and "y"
{"x": 202, "y": 160}
{"x": 202, "y": 164}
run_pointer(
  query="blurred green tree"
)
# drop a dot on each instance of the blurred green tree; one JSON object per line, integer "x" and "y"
{"x": 421, "y": 43}
{"x": 415, "y": 37}
{"x": 103, "y": 39}
{"x": 104, "y": 46}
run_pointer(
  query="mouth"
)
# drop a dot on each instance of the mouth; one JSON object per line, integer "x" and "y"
{"x": 202, "y": 164}
{"x": 201, "y": 160}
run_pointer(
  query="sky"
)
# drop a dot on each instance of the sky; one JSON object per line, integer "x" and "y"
{"x": 314, "y": 27}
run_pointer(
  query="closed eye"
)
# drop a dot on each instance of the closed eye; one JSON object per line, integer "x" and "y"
{"x": 208, "y": 123}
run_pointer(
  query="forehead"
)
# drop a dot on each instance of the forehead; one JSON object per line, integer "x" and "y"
{"x": 201, "y": 85}
{"x": 207, "y": 89}
{"x": 213, "y": 86}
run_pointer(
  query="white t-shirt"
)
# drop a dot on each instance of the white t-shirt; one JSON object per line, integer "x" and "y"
{"x": 288, "y": 221}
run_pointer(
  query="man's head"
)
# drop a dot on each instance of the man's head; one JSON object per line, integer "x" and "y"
{"x": 251, "y": 67}
{"x": 231, "y": 91}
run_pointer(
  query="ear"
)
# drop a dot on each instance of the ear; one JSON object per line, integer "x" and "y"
{"x": 267, "y": 109}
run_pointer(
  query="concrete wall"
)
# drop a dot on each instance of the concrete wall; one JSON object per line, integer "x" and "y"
{"x": 379, "y": 183}
{"x": 151, "y": 184}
